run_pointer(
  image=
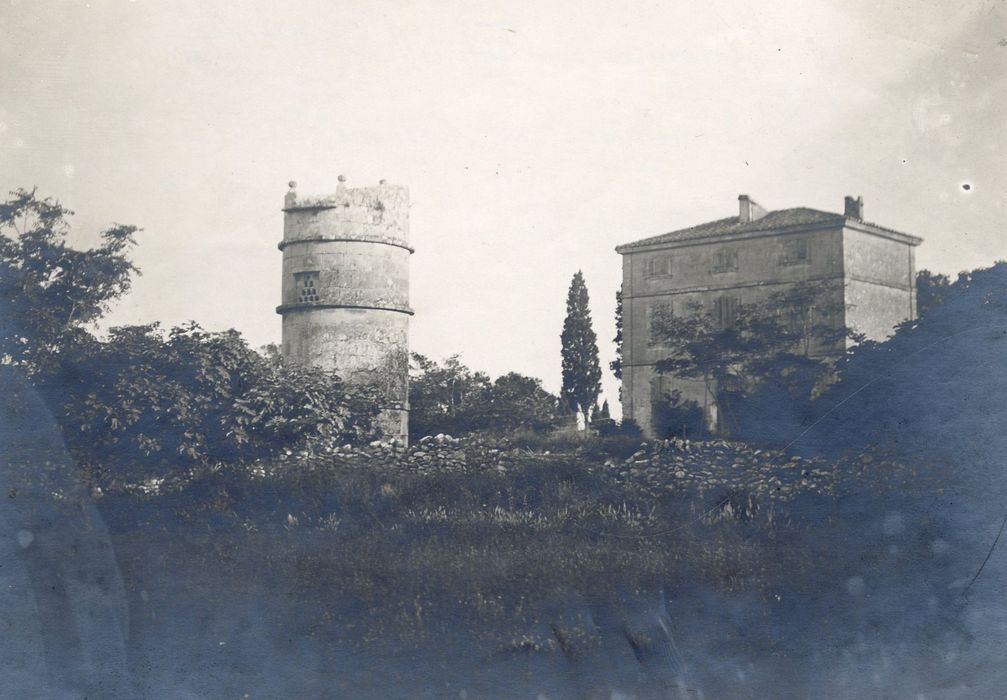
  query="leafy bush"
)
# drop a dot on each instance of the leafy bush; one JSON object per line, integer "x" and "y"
{"x": 935, "y": 388}
{"x": 605, "y": 426}
{"x": 674, "y": 417}
{"x": 191, "y": 396}
{"x": 785, "y": 403}
{"x": 450, "y": 398}
{"x": 630, "y": 428}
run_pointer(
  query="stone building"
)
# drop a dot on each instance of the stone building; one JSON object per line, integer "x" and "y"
{"x": 867, "y": 272}
{"x": 345, "y": 292}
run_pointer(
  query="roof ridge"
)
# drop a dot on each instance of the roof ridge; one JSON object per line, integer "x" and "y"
{"x": 732, "y": 224}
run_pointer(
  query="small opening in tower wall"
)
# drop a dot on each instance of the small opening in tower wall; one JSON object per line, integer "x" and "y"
{"x": 307, "y": 287}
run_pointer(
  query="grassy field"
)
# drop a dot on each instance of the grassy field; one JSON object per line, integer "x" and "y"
{"x": 724, "y": 558}
{"x": 487, "y": 528}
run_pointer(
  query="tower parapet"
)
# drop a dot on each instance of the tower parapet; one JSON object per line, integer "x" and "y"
{"x": 345, "y": 291}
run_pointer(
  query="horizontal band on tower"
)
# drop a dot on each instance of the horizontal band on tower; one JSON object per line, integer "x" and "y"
{"x": 310, "y": 206}
{"x": 383, "y": 241}
{"x": 284, "y": 308}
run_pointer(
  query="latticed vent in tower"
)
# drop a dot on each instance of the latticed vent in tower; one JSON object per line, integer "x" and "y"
{"x": 307, "y": 287}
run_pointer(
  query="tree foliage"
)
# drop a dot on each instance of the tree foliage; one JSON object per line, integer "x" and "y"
{"x": 783, "y": 341}
{"x": 678, "y": 417}
{"x": 936, "y": 387}
{"x": 616, "y": 364}
{"x": 450, "y": 398}
{"x": 145, "y": 398}
{"x": 581, "y": 371}
{"x": 519, "y": 402}
{"x": 931, "y": 289}
{"x": 50, "y": 292}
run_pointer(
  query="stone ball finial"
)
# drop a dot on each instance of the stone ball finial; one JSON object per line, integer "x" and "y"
{"x": 341, "y": 178}
{"x": 292, "y": 184}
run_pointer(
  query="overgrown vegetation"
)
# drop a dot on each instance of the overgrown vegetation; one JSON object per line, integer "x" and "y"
{"x": 152, "y": 401}
{"x": 472, "y": 520}
{"x": 450, "y": 398}
{"x": 677, "y": 417}
{"x": 935, "y": 388}
{"x": 528, "y": 552}
{"x": 782, "y": 341}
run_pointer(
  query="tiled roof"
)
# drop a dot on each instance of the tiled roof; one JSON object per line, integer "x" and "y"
{"x": 784, "y": 218}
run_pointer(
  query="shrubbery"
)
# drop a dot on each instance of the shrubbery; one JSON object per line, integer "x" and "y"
{"x": 675, "y": 417}
{"x": 452, "y": 399}
{"x": 782, "y": 340}
{"x": 142, "y": 398}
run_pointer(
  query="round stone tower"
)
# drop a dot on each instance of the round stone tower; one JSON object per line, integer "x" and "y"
{"x": 345, "y": 302}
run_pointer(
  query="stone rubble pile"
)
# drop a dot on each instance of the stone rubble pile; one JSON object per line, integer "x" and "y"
{"x": 436, "y": 453}
{"x": 683, "y": 465}
{"x": 657, "y": 468}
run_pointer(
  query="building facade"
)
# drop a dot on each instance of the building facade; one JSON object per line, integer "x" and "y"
{"x": 865, "y": 273}
{"x": 345, "y": 290}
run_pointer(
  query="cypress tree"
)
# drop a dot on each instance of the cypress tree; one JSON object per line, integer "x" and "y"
{"x": 581, "y": 371}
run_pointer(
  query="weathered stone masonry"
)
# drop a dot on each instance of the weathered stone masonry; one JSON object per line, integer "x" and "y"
{"x": 345, "y": 298}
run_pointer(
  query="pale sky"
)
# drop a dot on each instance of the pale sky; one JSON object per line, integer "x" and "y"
{"x": 534, "y": 137}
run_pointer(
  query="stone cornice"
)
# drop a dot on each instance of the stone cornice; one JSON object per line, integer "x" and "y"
{"x": 308, "y": 205}
{"x": 814, "y": 356}
{"x": 285, "y": 308}
{"x": 394, "y": 242}
{"x": 883, "y": 232}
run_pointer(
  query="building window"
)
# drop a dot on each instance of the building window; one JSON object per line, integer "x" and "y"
{"x": 796, "y": 252}
{"x": 657, "y": 266}
{"x": 658, "y": 313}
{"x": 725, "y": 260}
{"x": 726, "y": 311}
{"x": 307, "y": 287}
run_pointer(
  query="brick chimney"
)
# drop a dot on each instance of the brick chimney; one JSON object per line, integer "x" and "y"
{"x": 854, "y": 208}
{"x": 748, "y": 210}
